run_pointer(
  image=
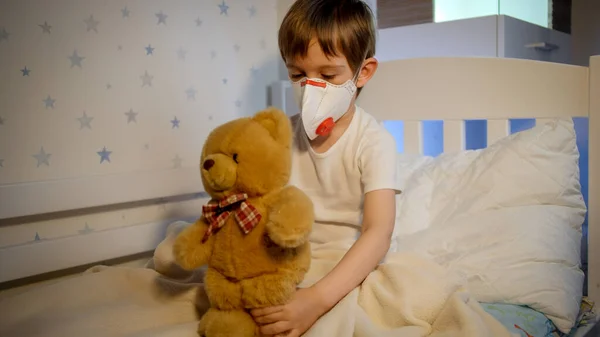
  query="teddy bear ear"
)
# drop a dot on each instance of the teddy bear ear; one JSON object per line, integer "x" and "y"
{"x": 277, "y": 123}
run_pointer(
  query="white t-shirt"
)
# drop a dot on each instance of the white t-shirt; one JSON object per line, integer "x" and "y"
{"x": 362, "y": 160}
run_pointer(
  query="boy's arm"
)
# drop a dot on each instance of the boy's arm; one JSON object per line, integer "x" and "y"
{"x": 377, "y": 162}
{"x": 362, "y": 258}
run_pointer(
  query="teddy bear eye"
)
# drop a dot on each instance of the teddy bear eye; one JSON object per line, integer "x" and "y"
{"x": 235, "y": 157}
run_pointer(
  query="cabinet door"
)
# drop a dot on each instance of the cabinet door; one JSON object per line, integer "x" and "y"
{"x": 474, "y": 37}
{"x": 562, "y": 53}
{"x": 524, "y": 40}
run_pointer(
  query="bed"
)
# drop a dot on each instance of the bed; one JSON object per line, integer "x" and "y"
{"x": 453, "y": 92}
{"x": 502, "y": 92}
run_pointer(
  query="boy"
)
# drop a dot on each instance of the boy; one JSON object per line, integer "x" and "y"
{"x": 343, "y": 158}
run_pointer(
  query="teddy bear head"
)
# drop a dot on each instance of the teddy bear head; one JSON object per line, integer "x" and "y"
{"x": 248, "y": 155}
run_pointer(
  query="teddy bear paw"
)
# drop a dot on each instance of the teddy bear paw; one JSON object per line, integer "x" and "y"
{"x": 221, "y": 323}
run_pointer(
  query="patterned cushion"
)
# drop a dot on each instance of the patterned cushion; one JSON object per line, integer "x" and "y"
{"x": 520, "y": 319}
{"x": 531, "y": 323}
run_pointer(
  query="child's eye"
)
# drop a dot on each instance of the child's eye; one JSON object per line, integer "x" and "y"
{"x": 327, "y": 77}
{"x": 295, "y": 76}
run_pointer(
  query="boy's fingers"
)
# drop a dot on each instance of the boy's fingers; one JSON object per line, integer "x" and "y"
{"x": 275, "y": 328}
{"x": 268, "y": 319}
{"x": 293, "y": 333}
{"x": 265, "y": 311}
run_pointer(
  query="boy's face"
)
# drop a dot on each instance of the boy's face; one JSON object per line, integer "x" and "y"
{"x": 334, "y": 70}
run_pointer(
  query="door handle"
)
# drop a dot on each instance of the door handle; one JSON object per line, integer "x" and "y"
{"x": 542, "y": 46}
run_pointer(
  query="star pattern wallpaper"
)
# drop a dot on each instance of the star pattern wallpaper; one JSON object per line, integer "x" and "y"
{"x": 102, "y": 87}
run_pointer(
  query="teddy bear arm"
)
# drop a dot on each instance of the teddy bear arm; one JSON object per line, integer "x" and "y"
{"x": 190, "y": 253}
{"x": 290, "y": 218}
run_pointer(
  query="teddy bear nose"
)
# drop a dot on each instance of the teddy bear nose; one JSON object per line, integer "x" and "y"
{"x": 208, "y": 164}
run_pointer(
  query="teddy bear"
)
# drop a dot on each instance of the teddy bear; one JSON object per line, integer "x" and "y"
{"x": 253, "y": 233}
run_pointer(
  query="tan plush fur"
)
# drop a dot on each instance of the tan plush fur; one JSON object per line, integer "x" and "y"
{"x": 261, "y": 268}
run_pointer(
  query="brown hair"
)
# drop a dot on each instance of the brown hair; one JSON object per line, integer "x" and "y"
{"x": 343, "y": 27}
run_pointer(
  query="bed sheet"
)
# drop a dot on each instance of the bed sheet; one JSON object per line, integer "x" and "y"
{"x": 528, "y": 322}
{"x": 521, "y": 320}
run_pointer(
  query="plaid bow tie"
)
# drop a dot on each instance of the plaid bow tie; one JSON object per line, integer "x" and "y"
{"x": 217, "y": 213}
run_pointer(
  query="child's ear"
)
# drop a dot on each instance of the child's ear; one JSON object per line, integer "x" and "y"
{"x": 369, "y": 67}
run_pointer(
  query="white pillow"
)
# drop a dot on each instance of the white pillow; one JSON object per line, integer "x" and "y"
{"x": 508, "y": 218}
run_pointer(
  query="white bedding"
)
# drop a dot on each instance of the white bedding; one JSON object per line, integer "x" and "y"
{"x": 408, "y": 296}
{"x": 508, "y": 218}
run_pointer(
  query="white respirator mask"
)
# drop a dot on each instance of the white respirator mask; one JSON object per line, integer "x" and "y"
{"x": 322, "y": 104}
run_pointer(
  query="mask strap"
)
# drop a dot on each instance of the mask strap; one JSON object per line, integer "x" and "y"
{"x": 355, "y": 77}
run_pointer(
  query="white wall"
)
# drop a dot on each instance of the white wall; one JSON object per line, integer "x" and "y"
{"x": 206, "y": 66}
{"x": 585, "y": 30}
{"x": 449, "y": 10}
{"x": 282, "y": 8}
{"x": 533, "y": 11}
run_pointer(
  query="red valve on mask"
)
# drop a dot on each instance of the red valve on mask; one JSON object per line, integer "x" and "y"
{"x": 325, "y": 127}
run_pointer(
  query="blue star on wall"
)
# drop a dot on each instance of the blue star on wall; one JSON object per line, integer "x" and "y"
{"x": 263, "y": 44}
{"x": 146, "y": 79}
{"x": 2, "y": 121}
{"x": 91, "y": 24}
{"x": 37, "y": 237}
{"x": 25, "y": 71}
{"x": 191, "y": 93}
{"x": 176, "y": 162}
{"x": 198, "y": 22}
{"x": 4, "y": 34}
{"x": 181, "y": 53}
{"x": 162, "y": 18}
{"x": 236, "y": 47}
{"x": 86, "y": 229}
{"x": 252, "y": 11}
{"x": 223, "y": 7}
{"x": 131, "y": 116}
{"x": 175, "y": 123}
{"x": 213, "y": 54}
{"x": 104, "y": 155}
{"x": 253, "y": 71}
{"x": 49, "y": 102}
{"x": 76, "y": 59}
{"x": 45, "y": 27}
{"x": 238, "y": 103}
{"x": 125, "y": 12}
{"x": 224, "y": 81}
{"x": 149, "y": 50}
{"x": 1, "y": 162}
{"x": 85, "y": 121}
{"x": 42, "y": 157}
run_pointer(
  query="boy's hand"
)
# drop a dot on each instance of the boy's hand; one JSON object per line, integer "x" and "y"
{"x": 292, "y": 319}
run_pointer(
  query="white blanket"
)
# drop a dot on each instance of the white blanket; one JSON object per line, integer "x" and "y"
{"x": 406, "y": 296}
